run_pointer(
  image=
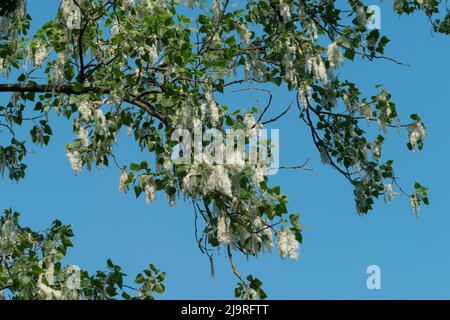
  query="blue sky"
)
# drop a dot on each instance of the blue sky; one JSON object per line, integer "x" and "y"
{"x": 413, "y": 253}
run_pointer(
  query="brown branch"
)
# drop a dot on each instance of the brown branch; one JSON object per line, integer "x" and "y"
{"x": 69, "y": 89}
{"x": 233, "y": 266}
{"x": 278, "y": 116}
{"x": 42, "y": 88}
{"x": 302, "y": 166}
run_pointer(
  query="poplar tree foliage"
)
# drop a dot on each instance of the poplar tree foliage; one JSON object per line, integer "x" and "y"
{"x": 149, "y": 67}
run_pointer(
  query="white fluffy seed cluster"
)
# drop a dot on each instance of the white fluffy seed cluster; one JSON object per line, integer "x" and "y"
{"x": 416, "y": 133}
{"x": 249, "y": 294}
{"x": 287, "y": 243}
{"x": 389, "y": 194}
{"x": 154, "y": 53}
{"x": 316, "y": 67}
{"x": 414, "y": 204}
{"x": 285, "y": 10}
{"x": 85, "y": 109}
{"x": 244, "y": 33}
{"x": 366, "y": 111}
{"x": 253, "y": 236}
{"x": 147, "y": 183}
{"x": 114, "y": 29}
{"x": 123, "y": 180}
{"x": 74, "y": 158}
{"x": 425, "y": 4}
{"x": 213, "y": 107}
{"x": 83, "y": 136}
{"x": 201, "y": 181}
{"x": 126, "y": 4}
{"x": 71, "y": 13}
{"x": 219, "y": 180}
{"x": 58, "y": 77}
{"x": 39, "y": 55}
{"x": 335, "y": 55}
{"x": 215, "y": 8}
{"x": 223, "y": 230}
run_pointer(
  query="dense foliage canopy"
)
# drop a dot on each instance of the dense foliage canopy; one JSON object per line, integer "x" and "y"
{"x": 155, "y": 67}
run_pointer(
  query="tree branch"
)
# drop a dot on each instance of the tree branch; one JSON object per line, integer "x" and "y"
{"x": 69, "y": 89}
